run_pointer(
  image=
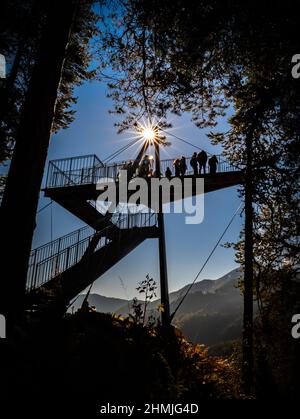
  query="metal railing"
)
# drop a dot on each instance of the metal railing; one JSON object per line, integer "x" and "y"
{"x": 73, "y": 170}
{"x": 222, "y": 166}
{"x": 53, "y": 248}
{"x": 50, "y": 260}
{"x": 62, "y": 173}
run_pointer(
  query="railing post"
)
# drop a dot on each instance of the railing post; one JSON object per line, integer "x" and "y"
{"x": 35, "y": 275}
{"x": 77, "y": 246}
{"x": 70, "y": 168}
{"x": 33, "y": 279}
{"x": 49, "y": 168}
{"x": 67, "y": 258}
{"x": 57, "y": 254}
{"x": 33, "y": 286}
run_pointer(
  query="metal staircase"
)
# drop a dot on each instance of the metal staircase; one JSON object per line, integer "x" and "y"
{"x": 66, "y": 266}
{"x": 69, "y": 264}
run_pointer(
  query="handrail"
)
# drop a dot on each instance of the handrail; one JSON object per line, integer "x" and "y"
{"x": 71, "y": 164}
{"x": 42, "y": 270}
{"x": 91, "y": 174}
{"x": 49, "y": 249}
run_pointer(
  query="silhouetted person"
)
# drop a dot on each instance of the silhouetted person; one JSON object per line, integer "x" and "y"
{"x": 202, "y": 159}
{"x": 213, "y": 161}
{"x": 183, "y": 166}
{"x": 130, "y": 169}
{"x": 177, "y": 167}
{"x": 194, "y": 164}
{"x": 145, "y": 166}
{"x": 168, "y": 173}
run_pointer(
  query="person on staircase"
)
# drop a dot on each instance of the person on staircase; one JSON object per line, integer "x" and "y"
{"x": 213, "y": 162}
{"x": 202, "y": 159}
{"x": 194, "y": 163}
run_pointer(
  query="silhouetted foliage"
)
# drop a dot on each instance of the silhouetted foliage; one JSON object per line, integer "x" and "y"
{"x": 148, "y": 288}
{"x": 107, "y": 358}
{"x": 277, "y": 352}
{"x": 21, "y": 27}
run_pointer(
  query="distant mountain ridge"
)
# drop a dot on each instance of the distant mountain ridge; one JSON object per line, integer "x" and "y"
{"x": 208, "y": 285}
{"x": 211, "y": 313}
{"x": 101, "y": 303}
{"x": 112, "y": 304}
{"x": 213, "y": 316}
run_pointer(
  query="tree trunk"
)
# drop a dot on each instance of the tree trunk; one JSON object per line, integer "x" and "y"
{"x": 6, "y": 93}
{"x": 21, "y": 195}
{"x": 248, "y": 271}
{"x": 10, "y": 81}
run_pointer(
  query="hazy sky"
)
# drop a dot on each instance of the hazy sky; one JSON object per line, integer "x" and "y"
{"x": 93, "y": 132}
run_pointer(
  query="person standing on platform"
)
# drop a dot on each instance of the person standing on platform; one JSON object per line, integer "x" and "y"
{"x": 177, "y": 167}
{"x": 213, "y": 162}
{"x": 183, "y": 166}
{"x": 194, "y": 163}
{"x": 168, "y": 173}
{"x": 202, "y": 159}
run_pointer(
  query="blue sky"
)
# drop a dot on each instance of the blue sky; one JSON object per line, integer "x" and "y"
{"x": 93, "y": 132}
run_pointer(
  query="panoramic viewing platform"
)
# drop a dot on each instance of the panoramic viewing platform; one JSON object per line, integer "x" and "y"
{"x": 77, "y": 177}
{"x": 87, "y": 170}
{"x": 72, "y": 183}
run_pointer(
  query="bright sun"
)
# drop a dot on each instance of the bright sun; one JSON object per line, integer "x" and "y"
{"x": 148, "y": 134}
